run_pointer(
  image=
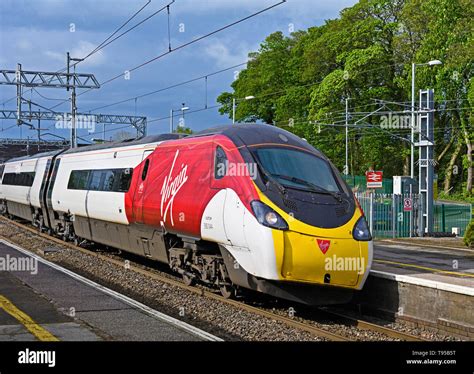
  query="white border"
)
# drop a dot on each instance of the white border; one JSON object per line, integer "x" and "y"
{"x": 154, "y": 313}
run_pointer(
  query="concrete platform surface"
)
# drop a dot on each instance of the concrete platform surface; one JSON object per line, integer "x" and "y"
{"x": 442, "y": 265}
{"x": 42, "y": 301}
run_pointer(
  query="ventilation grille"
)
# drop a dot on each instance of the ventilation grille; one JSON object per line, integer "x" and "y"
{"x": 340, "y": 211}
{"x": 290, "y": 205}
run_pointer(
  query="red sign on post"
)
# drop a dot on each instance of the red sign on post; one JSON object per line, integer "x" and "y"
{"x": 407, "y": 204}
{"x": 374, "y": 179}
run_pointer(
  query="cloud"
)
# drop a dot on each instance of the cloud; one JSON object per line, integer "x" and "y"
{"x": 316, "y": 9}
{"x": 226, "y": 52}
{"x": 54, "y": 45}
{"x": 83, "y": 48}
{"x": 54, "y": 55}
{"x": 80, "y": 50}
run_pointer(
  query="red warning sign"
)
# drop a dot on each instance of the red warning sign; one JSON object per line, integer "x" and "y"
{"x": 407, "y": 204}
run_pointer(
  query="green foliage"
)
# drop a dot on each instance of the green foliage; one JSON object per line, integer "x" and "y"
{"x": 184, "y": 130}
{"x": 469, "y": 235}
{"x": 459, "y": 197}
{"x": 301, "y": 81}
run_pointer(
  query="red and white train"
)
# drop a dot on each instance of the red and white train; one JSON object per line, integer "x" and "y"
{"x": 245, "y": 206}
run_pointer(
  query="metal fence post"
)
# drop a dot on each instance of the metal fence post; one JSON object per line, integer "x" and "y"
{"x": 443, "y": 219}
{"x": 371, "y": 214}
{"x": 421, "y": 228}
{"x": 394, "y": 216}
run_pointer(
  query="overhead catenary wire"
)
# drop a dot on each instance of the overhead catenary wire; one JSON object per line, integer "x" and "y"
{"x": 101, "y": 45}
{"x": 167, "y": 88}
{"x": 184, "y": 45}
{"x": 217, "y": 72}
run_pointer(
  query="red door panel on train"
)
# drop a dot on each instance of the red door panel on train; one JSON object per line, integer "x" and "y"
{"x": 139, "y": 192}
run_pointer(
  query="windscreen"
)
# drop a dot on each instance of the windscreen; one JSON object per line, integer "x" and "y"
{"x": 295, "y": 168}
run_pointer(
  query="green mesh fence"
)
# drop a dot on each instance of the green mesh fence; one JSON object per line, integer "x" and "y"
{"x": 448, "y": 215}
{"x": 389, "y": 217}
{"x": 359, "y": 183}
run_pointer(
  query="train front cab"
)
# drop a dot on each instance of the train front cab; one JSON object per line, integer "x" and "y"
{"x": 313, "y": 266}
{"x": 318, "y": 257}
{"x": 325, "y": 257}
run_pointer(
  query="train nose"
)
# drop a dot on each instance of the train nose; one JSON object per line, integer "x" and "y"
{"x": 334, "y": 261}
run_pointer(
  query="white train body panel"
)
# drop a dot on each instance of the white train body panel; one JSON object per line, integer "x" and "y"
{"x": 18, "y": 194}
{"x": 227, "y": 221}
{"x": 35, "y": 198}
{"x": 106, "y": 206}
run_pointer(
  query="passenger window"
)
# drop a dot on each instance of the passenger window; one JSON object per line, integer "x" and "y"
{"x": 145, "y": 169}
{"x": 125, "y": 179}
{"x": 78, "y": 180}
{"x": 220, "y": 164}
{"x": 95, "y": 180}
{"x": 109, "y": 180}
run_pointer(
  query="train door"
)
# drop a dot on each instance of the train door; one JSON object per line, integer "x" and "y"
{"x": 49, "y": 193}
{"x": 42, "y": 192}
{"x": 139, "y": 196}
{"x": 215, "y": 213}
{"x": 28, "y": 196}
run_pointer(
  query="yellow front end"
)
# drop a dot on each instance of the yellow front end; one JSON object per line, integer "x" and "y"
{"x": 316, "y": 255}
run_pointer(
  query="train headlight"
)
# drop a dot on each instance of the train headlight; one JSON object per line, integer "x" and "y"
{"x": 361, "y": 230}
{"x": 266, "y": 216}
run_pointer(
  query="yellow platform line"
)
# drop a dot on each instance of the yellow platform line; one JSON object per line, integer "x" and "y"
{"x": 39, "y": 332}
{"x": 426, "y": 268}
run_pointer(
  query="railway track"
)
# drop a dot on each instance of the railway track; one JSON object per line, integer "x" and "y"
{"x": 291, "y": 322}
{"x": 365, "y": 325}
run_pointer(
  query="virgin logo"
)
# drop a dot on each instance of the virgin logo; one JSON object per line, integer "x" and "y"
{"x": 324, "y": 245}
{"x": 171, "y": 186}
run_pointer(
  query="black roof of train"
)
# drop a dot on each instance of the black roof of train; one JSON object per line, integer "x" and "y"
{"x": 36, "y": 155}
{"x": 126, "y": 143}
{"x": 252, "y": 134}
{"x": 93, "y": 147}
{"x": 241, "y": 134}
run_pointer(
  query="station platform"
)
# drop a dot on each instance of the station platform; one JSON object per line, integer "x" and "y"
{"x": 449, "y": 266}
{"x": 428, "y": 286}
{"x": 41, "y": 301}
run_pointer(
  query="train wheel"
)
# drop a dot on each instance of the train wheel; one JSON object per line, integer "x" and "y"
{"x": 227, "y": 291}
{"x": 188, "y": 281}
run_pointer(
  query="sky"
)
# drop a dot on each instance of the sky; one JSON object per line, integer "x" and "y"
{"x": 38, "y": 33}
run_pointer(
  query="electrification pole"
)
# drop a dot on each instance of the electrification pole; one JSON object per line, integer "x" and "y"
{"x": 346, "y": 167}
{"x": 73, "y": 99}
{"x": 412, "y": 151}
{"x": 18, "y": 93}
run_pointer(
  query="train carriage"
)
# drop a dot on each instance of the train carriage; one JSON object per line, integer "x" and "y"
{"x": 246, "y": 206}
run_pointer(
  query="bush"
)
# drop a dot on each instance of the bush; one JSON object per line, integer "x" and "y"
{"x": 469, "y": 235}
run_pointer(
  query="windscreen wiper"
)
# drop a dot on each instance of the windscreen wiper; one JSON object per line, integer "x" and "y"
{"x": 269, "y": 176}
{"x": 312, "y": 186}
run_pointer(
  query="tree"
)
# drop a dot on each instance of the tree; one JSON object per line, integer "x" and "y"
{"x": 184, "y": 130}
{"x": 301, "y": 82}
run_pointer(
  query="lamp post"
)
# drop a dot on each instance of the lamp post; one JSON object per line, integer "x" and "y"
{"x": 234, "y": 102}
{"x": 413, "y": 72}
{"x": 172, "y": 111}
